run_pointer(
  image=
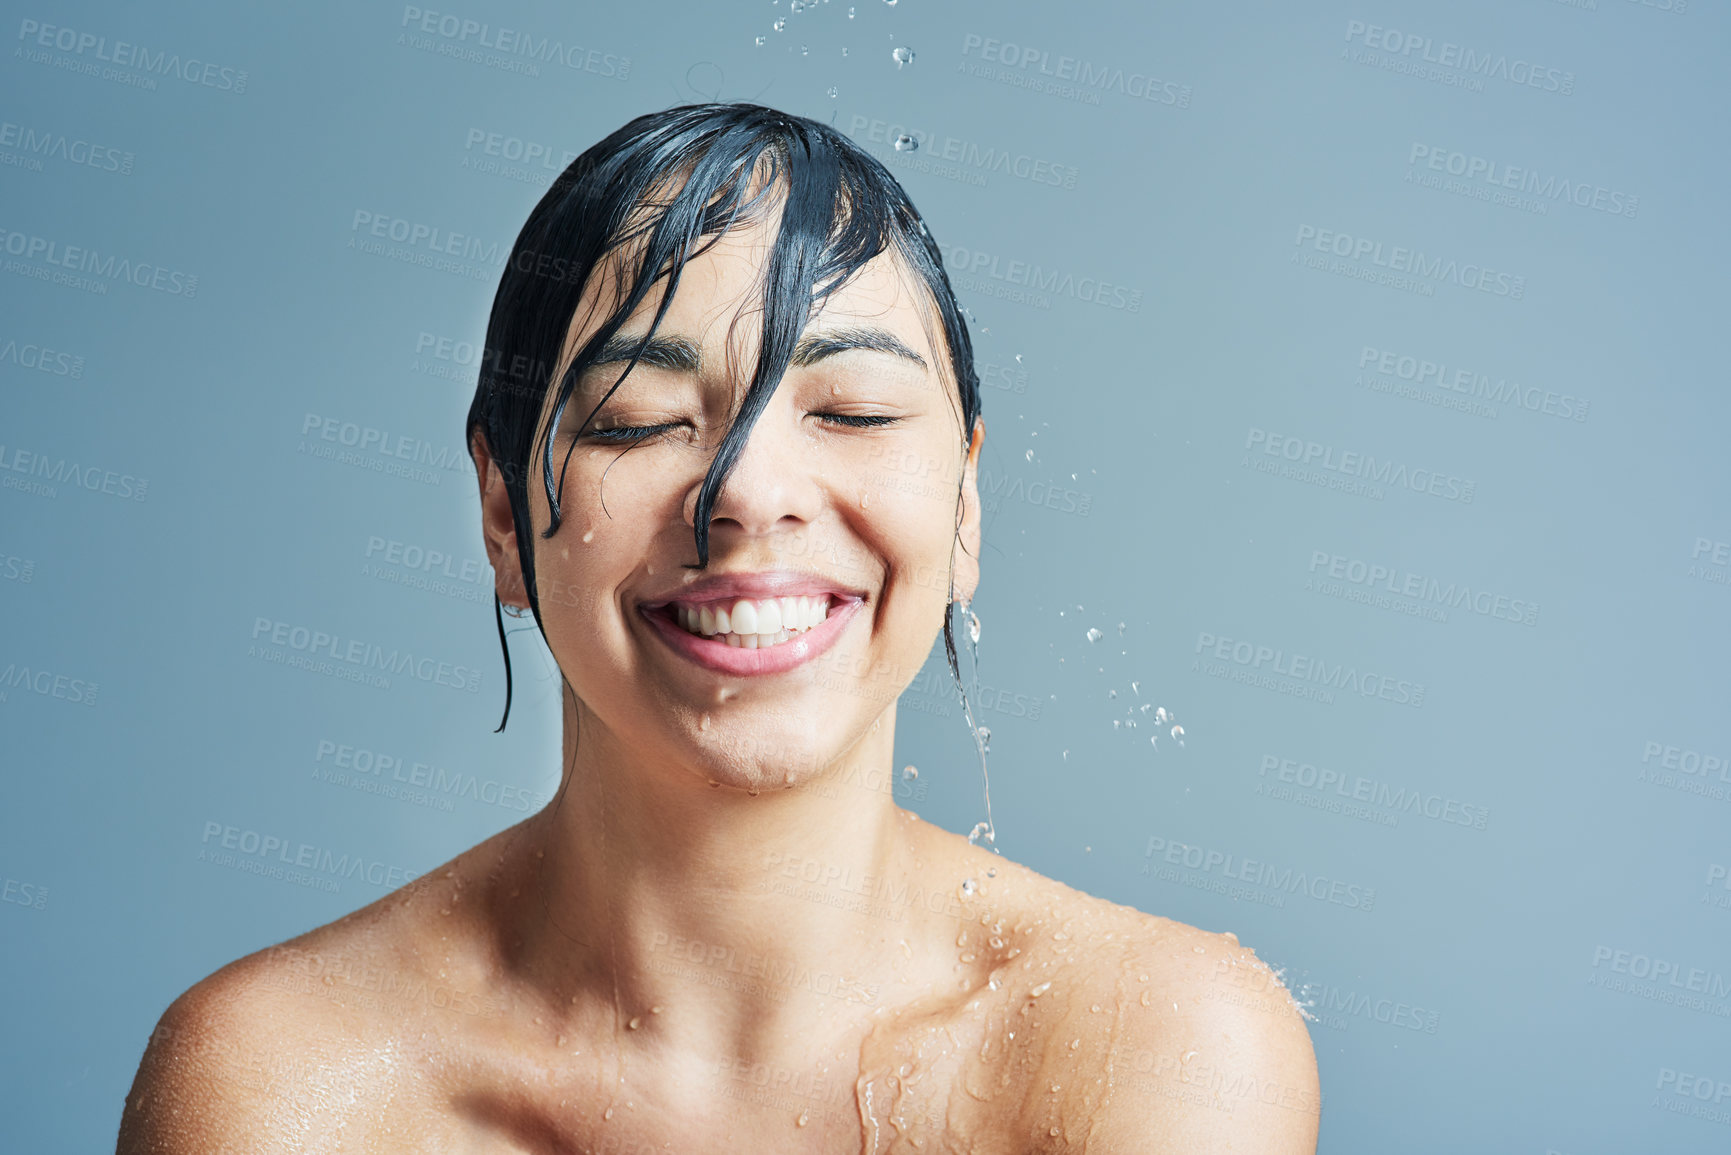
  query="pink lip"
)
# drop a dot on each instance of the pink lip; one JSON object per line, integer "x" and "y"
{"x": 726, "y": 659}
{"x": 774, "y": 584}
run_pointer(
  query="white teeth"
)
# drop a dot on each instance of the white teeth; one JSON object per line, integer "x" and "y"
{"x": 755, "y": 623}
{"x": 768, "y": 618}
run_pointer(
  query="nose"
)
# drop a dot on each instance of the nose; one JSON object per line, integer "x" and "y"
{"x": 774, "y": 482}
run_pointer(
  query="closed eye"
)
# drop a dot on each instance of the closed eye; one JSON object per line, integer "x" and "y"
{"x": 865, "y": 421}
{"x": 628, "y": 434}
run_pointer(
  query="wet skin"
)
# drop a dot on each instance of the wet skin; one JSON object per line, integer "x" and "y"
{"x": 722, "y": 934}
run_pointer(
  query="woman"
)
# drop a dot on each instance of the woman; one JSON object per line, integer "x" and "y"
{"x": 721, "y": 340}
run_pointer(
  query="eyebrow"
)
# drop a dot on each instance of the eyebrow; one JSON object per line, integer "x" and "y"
{"x": 682, "y": 355}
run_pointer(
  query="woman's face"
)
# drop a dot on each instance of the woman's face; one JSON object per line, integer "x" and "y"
{"x": 841, "y": 517}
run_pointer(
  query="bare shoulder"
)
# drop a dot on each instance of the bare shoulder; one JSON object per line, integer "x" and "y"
{"x": 298, "y": 1041}
{"x": 230, "y": 1060}
{"x": 1151, "y": 1035}
{"x": 1209, "y": 1051}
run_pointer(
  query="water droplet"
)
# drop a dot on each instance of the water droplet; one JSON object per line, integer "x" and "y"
{"x": 636, "y": 1021}
{"x": 980, "y": 830}
{"x": 1116, "y": 723}
{"x": 779, "y": 24}
{"x": 909, "y": 773}
{"x": 1161, "y": 717}
{"x": 1041, "y": 989}
{"x": 865, "y": 501}
{"x": 796, "y": 6}
{"x": 974, "y": 628}
{"x": 1136, "y": 688}
{"x": 903, "y": 57}
{"x": 804, "y": 50}
{"x": 906, "y": 143}
{"x": 832, "y": 92}
{"x": 1018, "y": 358}
{"x": 850, "y": 17}
{"x": 1178, "y": 734}
{"x": 969, "y": 886}
{"x": 1030, "y": 455}
{"x": 985, "y": 739}
{"x": 588, "y": 537}
{"x": 991, "y": 872}
{"x": 1111, "y": 693}
{"x": 1066, "y": 755}
{"x": 760, "y": 41}
{"x": 891, "y": 3}
{"x": 703, "y": 722}
{"x": 1094, "y": 635}
{"x": 607, "y": 1114}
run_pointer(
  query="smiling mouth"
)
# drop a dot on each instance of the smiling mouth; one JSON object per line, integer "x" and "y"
{"x": 750, "y": 623}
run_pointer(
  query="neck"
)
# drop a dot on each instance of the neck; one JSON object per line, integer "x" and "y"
{"x": 710, "y": 914}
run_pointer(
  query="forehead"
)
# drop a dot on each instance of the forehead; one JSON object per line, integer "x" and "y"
{"x": 720, "y": 296}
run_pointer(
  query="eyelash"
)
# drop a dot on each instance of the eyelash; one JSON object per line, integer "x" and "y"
{"x": 635, "y": 433}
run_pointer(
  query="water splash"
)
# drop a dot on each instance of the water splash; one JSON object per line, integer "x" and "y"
{"x": 982, "y": 735}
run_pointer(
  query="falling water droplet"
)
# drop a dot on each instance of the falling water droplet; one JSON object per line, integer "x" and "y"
{"x": 832, "y": 92}
{"x": 910, "y": 772}
{"x": 1018, "y": 358}
{"x": 974, "y": 627}
{"x": 1030, "y": 455}
{"x": 760, "y": 41}
{"x": 1094, "y": 635}
{"x": 1111, "y": 693}
{"x": 804, "y": 50}
{"x": 902, "y": 56}
{"x": 850, "y": 17}
{"x": 1178, "y": 734}
{"x": 1136, "y": 688}
{"x": 1161, "y": 716}
{"x": 779, "y": 24}
{"x": 796, "y": 6}
{"x": 1066, "y": 755}
{"x": 906, "y": 143}
{"x": 985, "y": 739}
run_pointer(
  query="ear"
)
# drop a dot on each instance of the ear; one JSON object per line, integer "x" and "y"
{"x": 498, "y": 530}
{"x": 965, "y": 554}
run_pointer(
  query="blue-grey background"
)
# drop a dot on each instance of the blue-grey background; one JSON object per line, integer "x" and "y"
{"x": 168, "y": 483}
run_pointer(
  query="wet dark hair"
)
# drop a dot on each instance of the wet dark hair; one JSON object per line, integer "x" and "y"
{"x": 641, "y": 203}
